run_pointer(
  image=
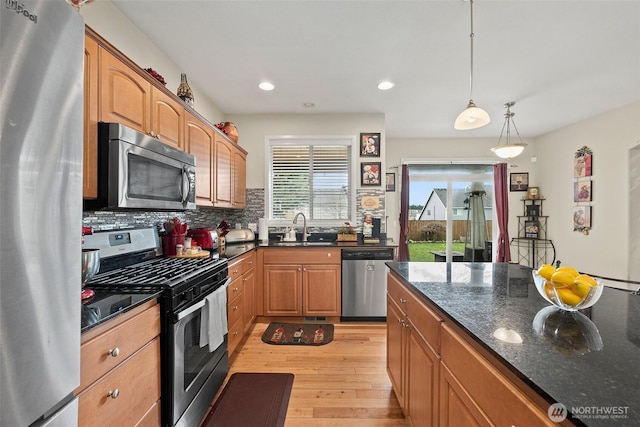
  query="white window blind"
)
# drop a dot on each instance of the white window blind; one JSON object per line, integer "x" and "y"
{"x": 311, "y": 178}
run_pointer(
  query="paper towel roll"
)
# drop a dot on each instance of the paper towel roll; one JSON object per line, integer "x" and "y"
{"x": 263, "y": 229}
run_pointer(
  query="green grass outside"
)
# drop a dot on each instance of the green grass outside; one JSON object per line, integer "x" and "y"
{"x": 421, "y": 251}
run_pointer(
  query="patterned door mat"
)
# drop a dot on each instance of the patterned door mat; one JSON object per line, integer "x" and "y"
{"x": 279, "y": 333}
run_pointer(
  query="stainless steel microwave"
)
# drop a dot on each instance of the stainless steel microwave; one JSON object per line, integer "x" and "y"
{"x": 136, "y": 171}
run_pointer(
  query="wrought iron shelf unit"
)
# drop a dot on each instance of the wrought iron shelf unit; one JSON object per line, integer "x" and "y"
{"x": 532, "y": 246}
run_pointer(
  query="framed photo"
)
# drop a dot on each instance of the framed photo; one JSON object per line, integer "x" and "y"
{"x": 370, "y": 173}
{"x": 533, "y": 193}
{"x": 391, "y": 182}
{"x": 369, "y": 145}
{"x": 581, "y": 217}
{"x": 531, "y": 229}
{"x": 519, "y": 181}
{"x": 582, "y": 191}
{"x": 582, "y": 166}
{"x": 533, "y": 210}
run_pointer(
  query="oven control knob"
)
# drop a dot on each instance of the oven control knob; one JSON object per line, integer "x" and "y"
{"x": 114, "y": 352}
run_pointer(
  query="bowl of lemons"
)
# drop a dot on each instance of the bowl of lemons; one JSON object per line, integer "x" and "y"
{"x": 566, "y": 288}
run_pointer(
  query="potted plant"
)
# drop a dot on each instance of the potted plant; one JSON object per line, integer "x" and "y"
{"x": 347, "y": 233}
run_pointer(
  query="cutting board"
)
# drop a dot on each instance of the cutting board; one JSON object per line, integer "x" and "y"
{"x": 201, "y": 254}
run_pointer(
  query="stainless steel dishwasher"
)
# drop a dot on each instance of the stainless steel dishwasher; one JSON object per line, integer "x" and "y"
{"x": 364, "y": 283}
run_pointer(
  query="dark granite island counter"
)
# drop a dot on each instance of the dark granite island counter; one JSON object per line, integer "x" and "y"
{"x": 588, "y": 361}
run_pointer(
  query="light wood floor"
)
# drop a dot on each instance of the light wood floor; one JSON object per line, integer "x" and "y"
{"x": 343, "y": 383}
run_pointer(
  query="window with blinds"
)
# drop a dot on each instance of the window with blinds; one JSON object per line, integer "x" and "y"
{"x": 312, "y": 177}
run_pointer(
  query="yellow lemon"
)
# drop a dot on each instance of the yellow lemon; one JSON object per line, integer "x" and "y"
{"x": 569, "y": 270}
{"x": 581, "y": 289}
{"x": 562, "y": 278}
{"x": 546, "y": 270}
{"x": 568, "y": 297}
{"x": 586, "y": 279}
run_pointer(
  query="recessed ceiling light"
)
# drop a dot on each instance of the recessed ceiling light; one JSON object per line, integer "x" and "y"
{"x": 308, "y": 104}
{"x": 266, "y": 86}
{"x": 386, "y": 85}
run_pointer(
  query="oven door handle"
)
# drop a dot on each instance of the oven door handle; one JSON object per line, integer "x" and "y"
{"x": 191, "y": 309}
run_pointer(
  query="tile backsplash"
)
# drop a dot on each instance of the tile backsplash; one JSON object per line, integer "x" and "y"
{"x": 206, "y": 217}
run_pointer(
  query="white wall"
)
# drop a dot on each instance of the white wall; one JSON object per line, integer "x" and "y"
{"x": 605, "y": 251}
{"x": 107, "y": 20}
{"x": 254, "y": 128}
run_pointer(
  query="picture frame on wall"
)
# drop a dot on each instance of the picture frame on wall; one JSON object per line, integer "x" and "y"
{"x": 370, "y": 144}
{"x": 582, "y": 191}
{"x": 519, "y": 181}
{"x": 370, "y": 174}
{"x": 581, "y": 217}
{"x": 582, "y": 166}
{"x": 390, "y": 181}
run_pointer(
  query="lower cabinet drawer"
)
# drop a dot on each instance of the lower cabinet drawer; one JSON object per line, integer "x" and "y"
{"x": 109, "y": 349}
{"x": 236, "y": 331}
{"x": 152, "y": 417}
{"x": 235, "y": 309}
{"x": 126, "y": 394}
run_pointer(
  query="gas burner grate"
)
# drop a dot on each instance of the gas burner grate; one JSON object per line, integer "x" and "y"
{"x": 164, "y": 272}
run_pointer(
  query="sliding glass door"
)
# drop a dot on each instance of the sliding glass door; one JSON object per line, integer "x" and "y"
{"x": 450, "y": 212}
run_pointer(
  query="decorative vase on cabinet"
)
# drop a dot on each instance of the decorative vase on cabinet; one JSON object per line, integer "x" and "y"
{"x": 184, "y": 91}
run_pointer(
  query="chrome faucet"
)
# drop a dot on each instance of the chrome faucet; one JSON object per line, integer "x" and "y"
{"x": 304, "y": 226}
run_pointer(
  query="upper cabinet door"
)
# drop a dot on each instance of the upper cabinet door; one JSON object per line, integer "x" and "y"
{"x": 90, "y": 154}
{"x": 223, "y": 172}
{"x": 167, "y": 119}
{"x": 199, "y": 142}
{"x": 239, "y": 179}
{"x": 124, "y": 94}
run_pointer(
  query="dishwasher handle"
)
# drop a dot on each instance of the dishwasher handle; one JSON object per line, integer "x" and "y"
{"x": 367, "y": 254}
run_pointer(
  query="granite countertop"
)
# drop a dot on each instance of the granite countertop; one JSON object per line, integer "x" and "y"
{"x": 108, "y": 304}
{"x": 587, "y": 360}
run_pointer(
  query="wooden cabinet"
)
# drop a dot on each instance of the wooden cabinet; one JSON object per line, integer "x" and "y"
{"x": 413, "y": 363}
{"x": 117, "y": 90}
{"x": 125, "y": 95}
{"x": 167, "y": 119}
{"x": 308, "y": 288}
{"x": 475, "y": 392}
{"x": 241, "y": 310}
{"x": 199, "y": 142}
{"x": 230, "y": 174}
{"x": 120, "y": 371}
{"x": 90, "y": 153}
{"x": 441, "y": 378}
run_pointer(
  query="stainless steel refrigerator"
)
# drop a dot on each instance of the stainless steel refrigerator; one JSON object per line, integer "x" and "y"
{"x": 41, "y": 136}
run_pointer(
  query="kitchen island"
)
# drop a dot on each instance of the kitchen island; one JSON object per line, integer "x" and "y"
{"x": 588, "y": 361}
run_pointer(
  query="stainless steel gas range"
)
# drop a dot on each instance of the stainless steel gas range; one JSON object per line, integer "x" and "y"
{"x": 193, "y": 302}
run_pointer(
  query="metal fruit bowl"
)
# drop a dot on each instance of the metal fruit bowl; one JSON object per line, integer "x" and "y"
{"x": 551, "y": 293}
{"x": 90, "y": 264}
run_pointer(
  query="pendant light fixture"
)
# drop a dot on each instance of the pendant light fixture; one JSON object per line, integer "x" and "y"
{"x": 471, "y": 117}
{"x": 509, "y": 150}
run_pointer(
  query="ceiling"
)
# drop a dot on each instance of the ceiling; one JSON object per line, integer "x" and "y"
{"x": 561, "y": 61}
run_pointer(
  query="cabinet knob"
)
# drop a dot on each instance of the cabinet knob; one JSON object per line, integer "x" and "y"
{"x": 403, "y": 301}
{"x": 235, "y": 307}
{"x": 114, "y": 393}
{"x": 114, "y": 352}
{"x": 329, "y": 254}
{"x": 235, "y": 333}
{"x": 235, "y": 289}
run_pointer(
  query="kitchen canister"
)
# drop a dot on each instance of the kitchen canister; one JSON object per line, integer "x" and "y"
{"x": 263, "y": 230}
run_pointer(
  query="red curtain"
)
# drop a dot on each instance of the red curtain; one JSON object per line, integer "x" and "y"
{"x": 403, "y": 245}
{"x": 501, "y": 183}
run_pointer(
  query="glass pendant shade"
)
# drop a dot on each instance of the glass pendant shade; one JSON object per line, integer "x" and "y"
{"x": 509, "y": 150}
{"x": 471, "y": 117}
